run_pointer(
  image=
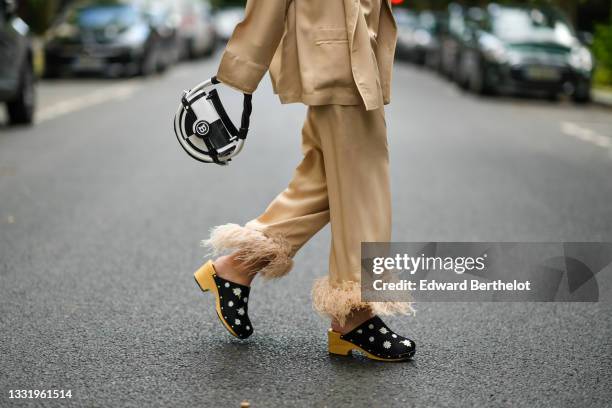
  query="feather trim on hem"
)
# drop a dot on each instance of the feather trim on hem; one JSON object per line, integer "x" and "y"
{"x": 340, "y": 300}
{"x": 252, "y": 248}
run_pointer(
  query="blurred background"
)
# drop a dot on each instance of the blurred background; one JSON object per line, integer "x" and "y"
{"x": 542, "y": 48}
{"x": 550, "y": 49}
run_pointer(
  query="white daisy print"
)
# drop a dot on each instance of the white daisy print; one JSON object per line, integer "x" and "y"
{"x": 227, "y": 284}
{"x": 394, "y": 336}
{"x": 387, "y": 344}
{"x": 237, "y": 322}
{"x": 237, "y": 291}
{"x": 406, "y": 343}
{"x": 246, "y": 299}
{"x": 371, "y": 326}
{"x": 359, "y": 331}
{"x": 230, "y": 303}
{"x": 240, "y": 311}
{"x": 383, "y": 330}
{"x": 371, "y": 339}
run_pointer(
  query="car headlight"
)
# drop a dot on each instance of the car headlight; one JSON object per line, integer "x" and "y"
{"x": 493, "y": 49}
{"x": 581, "y": 58}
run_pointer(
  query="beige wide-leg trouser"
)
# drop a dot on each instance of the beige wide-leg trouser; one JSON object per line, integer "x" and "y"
{"x": 343, "y": 179}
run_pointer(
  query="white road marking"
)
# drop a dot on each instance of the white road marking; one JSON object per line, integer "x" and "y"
{"x": 585, "y": 134}
{"x": 115, "y": 92}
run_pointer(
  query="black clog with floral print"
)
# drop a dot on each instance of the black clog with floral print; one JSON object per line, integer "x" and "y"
{"x": 231, "y": 300}
{"x": 374, "y": 339}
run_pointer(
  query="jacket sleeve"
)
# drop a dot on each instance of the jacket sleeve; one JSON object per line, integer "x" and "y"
{"x": 253, "y": 43}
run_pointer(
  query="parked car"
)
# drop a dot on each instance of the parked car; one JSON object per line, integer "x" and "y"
{"x": 432, "y": 24}
{"x": 16, "y": 69}
{"x": 417, "y": 36}
{"x": 226, "y": 20}
{"x": 527, "y": 50}
{"x": 196, "y": 28}
{"x": 111, "y": 38}
{"x": 451, "y": 38}
{"x": 407, "y": 23}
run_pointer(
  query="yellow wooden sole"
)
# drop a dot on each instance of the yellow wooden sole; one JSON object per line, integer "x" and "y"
{"x": 343, "y": 348}
{"x": 206, "y": 282}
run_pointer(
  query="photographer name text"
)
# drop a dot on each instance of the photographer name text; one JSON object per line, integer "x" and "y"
{"x": 472, "y": 285}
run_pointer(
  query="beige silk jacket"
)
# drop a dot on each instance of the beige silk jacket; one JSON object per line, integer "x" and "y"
{"x": 319, "y": 52}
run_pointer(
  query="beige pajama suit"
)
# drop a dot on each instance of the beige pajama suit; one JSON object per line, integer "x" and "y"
{"x": 336, "y": 57}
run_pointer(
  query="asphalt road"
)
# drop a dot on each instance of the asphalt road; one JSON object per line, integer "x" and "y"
{"x": 101, "y": 214}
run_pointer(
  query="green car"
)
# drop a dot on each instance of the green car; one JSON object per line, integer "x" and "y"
{"x": 527, "y": 50}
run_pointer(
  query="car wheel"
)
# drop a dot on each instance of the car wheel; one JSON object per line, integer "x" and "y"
{"x": 582, "y": 94}
{"x": 211, "y": 48}
{"x": 148, "y": 65}
{"x": 191, "y": 51}
{"x": 477, "y": 81}
{"x": 162, "y": 67}
{"x": 21, "y": 108}
{"x": 163, "y": 61}
{"x": 553, "y": 97}
{"x": 461, "y": 76}
{"x": 51, "y": 73}
{"x": 457, "y": 70}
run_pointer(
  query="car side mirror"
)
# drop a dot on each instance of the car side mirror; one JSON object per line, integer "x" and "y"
{"x": 585, "y": 38}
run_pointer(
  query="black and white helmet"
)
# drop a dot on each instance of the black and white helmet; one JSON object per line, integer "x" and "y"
{"x": 203, "y": 127}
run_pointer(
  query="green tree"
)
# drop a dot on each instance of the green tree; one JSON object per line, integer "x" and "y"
{"x": 38, "y": 13}
{"x": 602, "y": 48}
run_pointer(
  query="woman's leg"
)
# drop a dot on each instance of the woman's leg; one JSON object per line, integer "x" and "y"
{"x": 267, "y": 244}
{"x": 343, "y": 177}
{"x": 355, "y": 151}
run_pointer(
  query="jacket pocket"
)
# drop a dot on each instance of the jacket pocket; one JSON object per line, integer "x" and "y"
{"x": 332, "y": 59}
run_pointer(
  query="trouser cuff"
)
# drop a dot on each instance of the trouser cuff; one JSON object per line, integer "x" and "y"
{"x": 338, "y": 300}
{"x": 252, "y": 248}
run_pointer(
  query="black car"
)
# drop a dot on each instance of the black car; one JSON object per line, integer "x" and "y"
{"x": 16, "y": 70}
{"x": 112, "y": 38}
{"x": 451, "y": 38}
{"x": 432, "y": 24}
{"x": 523, "y": 49}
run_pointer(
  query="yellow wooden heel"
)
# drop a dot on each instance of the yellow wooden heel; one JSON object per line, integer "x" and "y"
{"x": 336, "y": 345}
{"x": 204, "y": 276}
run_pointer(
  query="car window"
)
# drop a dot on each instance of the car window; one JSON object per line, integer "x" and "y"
{"x": 515, "y": 25}
{"x": 103, "y": 16}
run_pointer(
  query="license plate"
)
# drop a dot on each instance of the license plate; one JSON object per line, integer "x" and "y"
{"x": 89, "y": 63}
{"x": 542, "y": 73}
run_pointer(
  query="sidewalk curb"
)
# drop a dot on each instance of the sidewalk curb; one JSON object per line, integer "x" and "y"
{"x": 602, "y": 97}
